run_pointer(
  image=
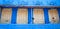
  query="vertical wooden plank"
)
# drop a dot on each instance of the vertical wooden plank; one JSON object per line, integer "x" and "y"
{"x": 53, "y": 16}
{"x": 38, "y": 16}
{"x": 6, "y": 15}
{"x": 22, "y": 16}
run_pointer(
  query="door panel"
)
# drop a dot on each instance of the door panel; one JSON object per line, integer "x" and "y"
{"x": 38, "y": 15}
{"x": 53, "y": 16}
{"x": 22, "y": 16}
{"x": 6, "y": 15}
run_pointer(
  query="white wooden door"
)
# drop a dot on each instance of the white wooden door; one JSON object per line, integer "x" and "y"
{"x": 53, "y": 16}
{"x": 6, "y": 15}
{"x": 38, "y": 15}
{"x": 22, "y": 16}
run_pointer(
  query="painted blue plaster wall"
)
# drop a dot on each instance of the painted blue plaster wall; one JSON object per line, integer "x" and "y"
{"x": 30, "y": 2}
{"x": 30, "y": 26}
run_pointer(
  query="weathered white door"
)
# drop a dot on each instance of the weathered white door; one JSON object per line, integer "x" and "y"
{"x": 38, "y": 15}
{"x": 22, "y": 16}
{"x": 6, "y": 15}
{"x": 53, "y": 16}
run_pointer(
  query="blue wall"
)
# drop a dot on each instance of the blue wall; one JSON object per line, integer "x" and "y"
{"x": 30, "y": 26}
{"x": 30, "y": 2}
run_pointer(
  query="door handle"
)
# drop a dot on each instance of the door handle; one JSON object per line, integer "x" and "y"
{"x": 32, "y": 18}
